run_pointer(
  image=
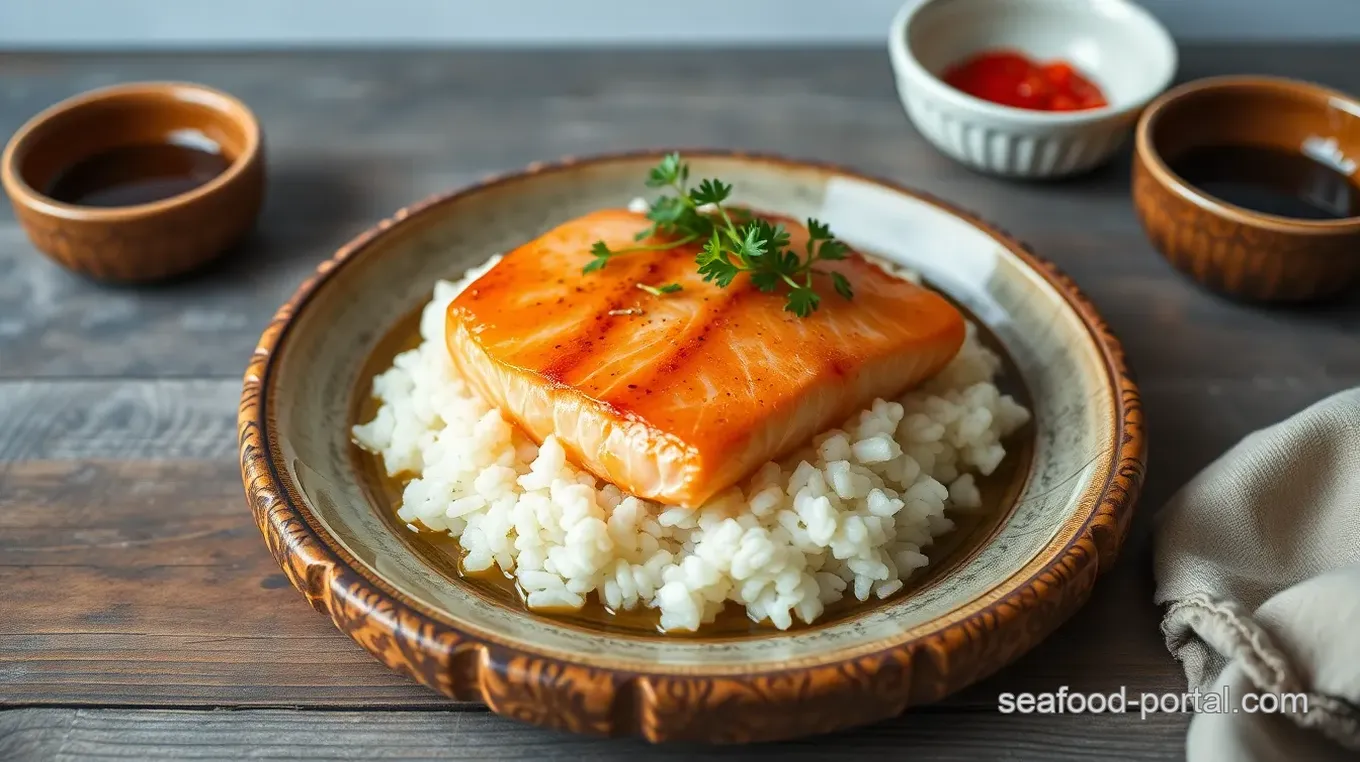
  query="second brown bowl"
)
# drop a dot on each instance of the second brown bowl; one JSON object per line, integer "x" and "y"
{"x": 146, "y": 241}
{"x": 1231, "y": 249}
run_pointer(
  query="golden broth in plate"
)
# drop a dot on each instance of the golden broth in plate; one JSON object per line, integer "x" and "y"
{"x": 973, "y": 527}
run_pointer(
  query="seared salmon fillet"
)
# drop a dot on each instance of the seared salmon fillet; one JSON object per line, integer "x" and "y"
{"x": 675, "y": 398}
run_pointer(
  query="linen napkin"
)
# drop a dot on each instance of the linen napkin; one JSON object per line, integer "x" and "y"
{"x": 1257, "y": 561}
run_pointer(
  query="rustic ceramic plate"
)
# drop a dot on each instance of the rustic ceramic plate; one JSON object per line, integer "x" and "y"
{"x": 1062, "y": 523}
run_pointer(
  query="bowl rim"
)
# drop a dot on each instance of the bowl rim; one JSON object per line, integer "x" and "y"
{"x": 1146, "y": 148}
{"x": 906, "y": 63}
{"x": 229, "y": 106}
{"x": 659, "y": 703}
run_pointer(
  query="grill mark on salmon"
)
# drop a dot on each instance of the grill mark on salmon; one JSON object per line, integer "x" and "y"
{"x": 694, "y": 337}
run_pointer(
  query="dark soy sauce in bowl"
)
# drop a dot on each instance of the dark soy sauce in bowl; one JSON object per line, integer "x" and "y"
{"x": 138, "y": 174}
{"x": 1270, "y": 180}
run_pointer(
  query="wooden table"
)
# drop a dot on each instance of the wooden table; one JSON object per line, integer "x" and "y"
{"x": 137, "y": 600}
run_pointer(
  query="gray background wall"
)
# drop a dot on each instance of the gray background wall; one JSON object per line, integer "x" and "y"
{"x": 247, "y": 23}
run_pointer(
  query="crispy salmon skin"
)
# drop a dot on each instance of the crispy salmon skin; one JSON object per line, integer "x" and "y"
{"x": 675, "y": 398}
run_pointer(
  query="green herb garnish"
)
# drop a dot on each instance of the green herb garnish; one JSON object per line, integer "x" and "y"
{"x": 734, "y": 241}
{"x": 663, "y": 289}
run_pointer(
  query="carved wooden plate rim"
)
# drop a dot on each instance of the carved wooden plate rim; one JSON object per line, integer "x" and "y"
{"x": 690, "y": 703}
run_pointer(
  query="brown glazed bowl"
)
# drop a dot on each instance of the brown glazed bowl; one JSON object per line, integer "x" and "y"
{"x": 331, "y": 522}
{"x": 1227, "y": 248}
{"x": 149, "y": 241}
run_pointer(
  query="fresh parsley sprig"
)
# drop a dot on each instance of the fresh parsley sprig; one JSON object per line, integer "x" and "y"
{"x": 734, "y": 242}
{"x": 662, "y": 290}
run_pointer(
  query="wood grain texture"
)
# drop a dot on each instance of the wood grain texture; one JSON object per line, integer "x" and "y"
{"x": 113, "y": 477}
{"x": 352, "y": 137}
{"x": 168, "y": 596}
{"x": 105, "y": 734}
{"x": 125, "y": 419}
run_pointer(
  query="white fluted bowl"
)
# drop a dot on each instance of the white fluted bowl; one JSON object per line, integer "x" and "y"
{"x": 1117, "y": 44}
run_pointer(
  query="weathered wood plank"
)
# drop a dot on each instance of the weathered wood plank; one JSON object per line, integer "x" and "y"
{"x": 131, "y": 582}
{"x": 427, "y": 106}
{"x": 125, "y": 419}
{"x": 354, "y": 136}
{"x": 99, "y": 734}
{"x": 55, "y": 324}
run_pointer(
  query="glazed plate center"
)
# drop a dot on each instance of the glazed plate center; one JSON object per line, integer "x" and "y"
{"x": 1048, "y": 484}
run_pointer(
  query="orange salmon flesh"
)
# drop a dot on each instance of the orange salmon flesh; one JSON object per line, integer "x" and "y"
{"x": 678, "y": 397}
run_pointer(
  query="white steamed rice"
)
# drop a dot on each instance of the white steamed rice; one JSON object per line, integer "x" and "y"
{"x": 847, "y": 516}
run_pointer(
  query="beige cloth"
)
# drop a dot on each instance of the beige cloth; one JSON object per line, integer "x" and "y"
{"x": 1258, "y": 564}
